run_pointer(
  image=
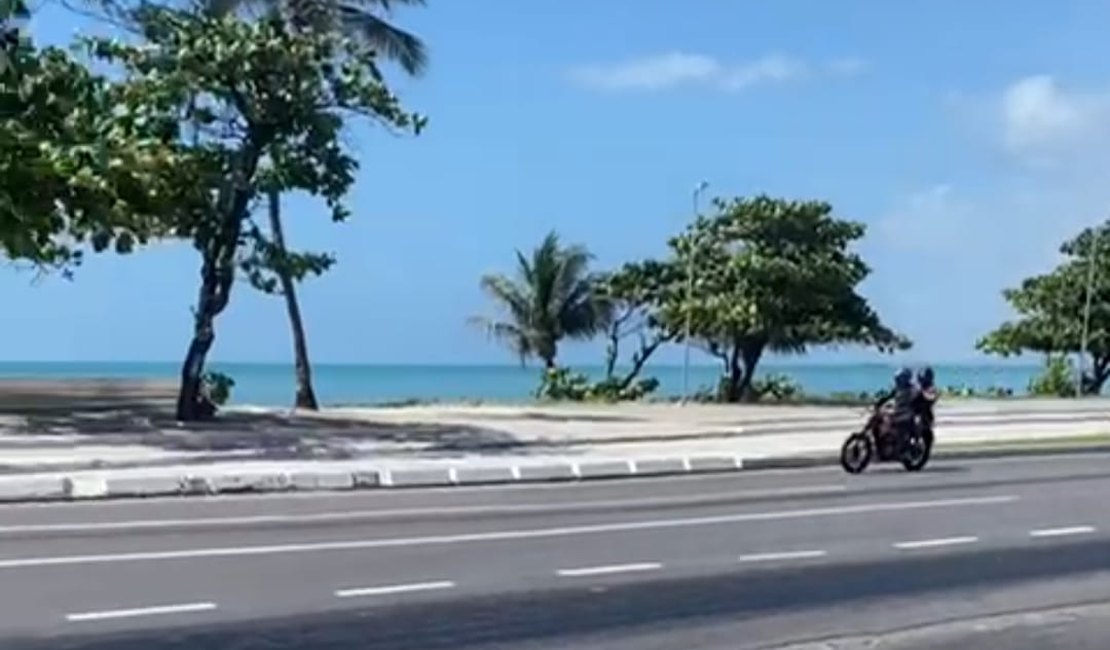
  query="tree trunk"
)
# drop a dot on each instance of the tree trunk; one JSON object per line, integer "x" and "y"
{"x": 741, "y": 364}
{"x": 217, "y": 276}
{"x": 305, "y": 397}
{"x": 215, "y": 285}
{"x": 734, "y": 380}
{"x": 1092, "y": 383}
{"x": 640, "y": 358}
{"x": 750, "y": 353}
{"x": 612, "y": 350}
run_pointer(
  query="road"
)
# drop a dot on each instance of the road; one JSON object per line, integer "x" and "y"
{"x": 755, "y": 560}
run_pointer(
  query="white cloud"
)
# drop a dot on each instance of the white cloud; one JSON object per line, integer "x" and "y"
{"x": 774, "y": 68}
{"x": 1044, "y": 123}
{"x": 649, "y": 73}
{"x": 673, "y": 69}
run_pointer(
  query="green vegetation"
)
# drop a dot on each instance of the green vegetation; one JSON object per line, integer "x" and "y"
{"x": 275, "y": 269}
{"x": 553, "y": 297}
{"x": 205, "y": 113}
{"x": 1050, "y": 316}
{"x": 201, "y": 117}
{"x": 74, "y": 173}
{"x": 761, "y": 274}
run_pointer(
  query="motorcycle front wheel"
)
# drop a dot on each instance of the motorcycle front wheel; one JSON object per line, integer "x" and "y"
{"x": 855, "y": 454}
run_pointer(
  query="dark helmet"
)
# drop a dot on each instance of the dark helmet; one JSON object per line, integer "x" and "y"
{"x": 903, "y": 378}
{"x": 925, "y": 377}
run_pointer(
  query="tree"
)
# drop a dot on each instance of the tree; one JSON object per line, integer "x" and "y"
{"x": 361, "y": 20}
{"x": 73, "y": 169}
{"x": 1050, "y": 309}
{"x": 770, "y": 274}
{"x": 277, "y": 270}
{"x": 552, "y": 297}
{"x": 269, "y": 103}
{"x": 634, "y": 293}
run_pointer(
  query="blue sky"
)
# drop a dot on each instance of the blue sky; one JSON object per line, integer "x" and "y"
{"x": 969, "y": 136}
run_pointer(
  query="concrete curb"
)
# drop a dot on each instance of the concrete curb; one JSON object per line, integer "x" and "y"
{"x": 106, "y": 486}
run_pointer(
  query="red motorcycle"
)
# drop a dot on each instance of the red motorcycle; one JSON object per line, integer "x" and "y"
{"x": 878, "y": 438}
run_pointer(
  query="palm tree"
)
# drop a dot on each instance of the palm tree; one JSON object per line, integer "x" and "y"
{"x": 552, "y": 297}
{"x": 360, "y": 18}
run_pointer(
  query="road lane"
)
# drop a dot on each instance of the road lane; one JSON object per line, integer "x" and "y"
{"x": 291, "y": 569}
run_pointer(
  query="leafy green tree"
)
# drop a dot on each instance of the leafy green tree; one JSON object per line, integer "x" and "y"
{"x": 770, "y": 274}
{"x": 274, "y": 268}
{"x": 1050, "y": 308}
{"x": 268, "y": 103}
{"x": 634, "y": 293}
{"x": 367, "y": 20}
{"x": 552, "y": 297}
{"x": 74, "y": 171}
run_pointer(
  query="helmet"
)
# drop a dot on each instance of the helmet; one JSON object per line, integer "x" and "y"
{"x": 903, "y": 378}
{"x": 925, "y": 377}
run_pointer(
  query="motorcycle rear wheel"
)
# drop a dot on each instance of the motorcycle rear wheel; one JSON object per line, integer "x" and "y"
{"x": 856, "y": 453}
{"x": 916, "y": 452}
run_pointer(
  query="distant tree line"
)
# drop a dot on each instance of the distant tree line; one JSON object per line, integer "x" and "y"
{"x": 765, "y": 274}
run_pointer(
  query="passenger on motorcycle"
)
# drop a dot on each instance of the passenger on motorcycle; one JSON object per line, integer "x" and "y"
{"x": 926, "y": 396}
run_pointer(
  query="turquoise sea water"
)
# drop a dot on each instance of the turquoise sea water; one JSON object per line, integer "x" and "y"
{"x": 272, "y": 384}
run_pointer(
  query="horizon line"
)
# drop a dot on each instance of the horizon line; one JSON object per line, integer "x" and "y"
{"x": 987, "y": 361}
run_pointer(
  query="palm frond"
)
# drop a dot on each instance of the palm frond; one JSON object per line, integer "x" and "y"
{"x": 507, "y": 334}
{"x": 394, "y": 43}
{"x": 510, "y": 295}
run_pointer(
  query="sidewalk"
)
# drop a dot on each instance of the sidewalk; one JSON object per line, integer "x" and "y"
{"x": 109, "y": 438}
{"x": 257, "y": 450}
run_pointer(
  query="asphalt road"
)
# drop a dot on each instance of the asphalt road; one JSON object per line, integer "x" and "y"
{"x": 730, "y": 561}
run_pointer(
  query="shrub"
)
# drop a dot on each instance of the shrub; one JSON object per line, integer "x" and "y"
{"x": 777, "y": 386}
{"x": 1057, "y": 379}
{"x": 216, "y": 387}
{"x": 563, "y": 384}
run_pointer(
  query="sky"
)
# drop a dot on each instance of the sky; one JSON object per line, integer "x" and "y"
{"x": 970, "y": 137}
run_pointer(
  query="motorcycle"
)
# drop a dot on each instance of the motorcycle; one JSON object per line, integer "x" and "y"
{"x": 878, "y": 438}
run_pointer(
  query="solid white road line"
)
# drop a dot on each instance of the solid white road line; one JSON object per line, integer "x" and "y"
{"x": 141, "y": 611}
{"x": 503, "y": 535}
{"x": 394, "y": 589}
{"x": 606, "y": 570}
{"x": 1062, "y": 532}
{"x": 933, "y": 543}
{"x": 349, "y": 515}
{"x": 785, "y": 555}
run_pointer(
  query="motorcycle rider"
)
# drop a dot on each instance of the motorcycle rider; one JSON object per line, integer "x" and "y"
{"x": 905, "y": 396}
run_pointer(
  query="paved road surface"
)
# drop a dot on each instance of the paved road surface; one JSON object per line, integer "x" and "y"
{"x": 732, "y": 561}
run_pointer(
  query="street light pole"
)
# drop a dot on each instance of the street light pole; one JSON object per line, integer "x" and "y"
{"x": 701, "y": 187}
{"x": 1092, "y": 254}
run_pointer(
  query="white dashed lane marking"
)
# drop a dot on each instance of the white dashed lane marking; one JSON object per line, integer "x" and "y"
{"x": 387, "y": 590}
{"x": 934, "y": 543}
{"x": 160, "y": 610}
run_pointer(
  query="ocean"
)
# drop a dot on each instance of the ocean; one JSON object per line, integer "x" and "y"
{"x": 272, "y": 384}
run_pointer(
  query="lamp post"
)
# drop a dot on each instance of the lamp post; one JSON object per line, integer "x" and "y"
{"x": 1092, "y": 254}
{"x": 701, "y": 187}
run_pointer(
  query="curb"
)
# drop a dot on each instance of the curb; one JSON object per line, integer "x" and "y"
{"x": 93, "y": 487}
